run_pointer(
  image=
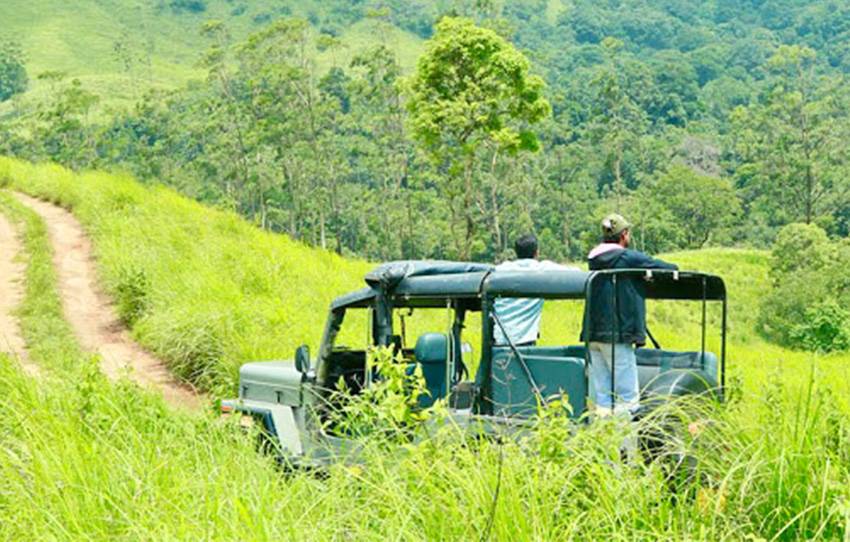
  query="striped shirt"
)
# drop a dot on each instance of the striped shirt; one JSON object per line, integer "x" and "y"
{"x": 521, "y": 316}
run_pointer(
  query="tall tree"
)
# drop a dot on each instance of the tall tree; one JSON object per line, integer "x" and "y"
{"x": 617, "y": 122}
{"x": 385, "y": 147}
{"x": 472, "y": 95}
{"x": 793, "y": 160}
{"x": 698, "y": 206}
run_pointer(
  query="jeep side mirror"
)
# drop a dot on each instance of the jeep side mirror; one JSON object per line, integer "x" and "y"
{"x": 302, "y": 358}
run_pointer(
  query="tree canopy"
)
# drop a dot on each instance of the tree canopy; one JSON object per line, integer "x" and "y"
{"x": 472, "y": 98}
{"x": 13, "y": 73}
{"x": 705, "y": 122}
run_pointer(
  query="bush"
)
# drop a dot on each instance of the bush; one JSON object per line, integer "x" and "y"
{"x": 192, "y": 6}
{"x": 389, "y": 407}
{"x": 784, "y": 306}
{"x": 13, "y": 74}
{"x": 824, "y": 328}
{"x": 798, "y": 246}
{"x": 803, "y": 309}
{"x": 131, "y": 295}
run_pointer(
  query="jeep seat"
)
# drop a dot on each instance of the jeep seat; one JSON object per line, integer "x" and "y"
{"x": 431, "y": 352}
{"x": 652, "y": 363}
{"x": 661, "y": 372}
{"x": 552, "y": 369}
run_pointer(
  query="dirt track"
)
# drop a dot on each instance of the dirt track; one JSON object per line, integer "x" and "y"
{"x": 91, "y": 314}
{"x": 11, "y": 294}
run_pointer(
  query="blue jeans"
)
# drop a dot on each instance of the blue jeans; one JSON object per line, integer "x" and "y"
{"x": 626, "y": 387}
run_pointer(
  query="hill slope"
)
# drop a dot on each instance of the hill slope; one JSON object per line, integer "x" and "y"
{"x": 202, "y": 288}
{"x": 162, "y": 42}
{"x": 207, "y": 291}
{"x": 85, "y": 458}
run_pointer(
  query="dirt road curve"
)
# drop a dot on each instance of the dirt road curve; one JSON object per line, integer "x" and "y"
{"x": 11, "y": 294}
{"x": 92, "y": 316}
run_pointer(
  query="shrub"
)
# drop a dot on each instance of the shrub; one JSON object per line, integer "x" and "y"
{"x": 389, "y": 407}
{"x": 824, "y": 328}
{"x": 262, "y": 18}
{"x": 798, "y": 246}
{"x": 192, "y": 6}
{"x": 13, "y": 74}
{"x": 804, "y": 306}
{"x": 784, "y": 307}
{"x": 131, "y": 294}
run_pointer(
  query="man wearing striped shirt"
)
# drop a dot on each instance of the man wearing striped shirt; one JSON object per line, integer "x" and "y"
{"x": 521, "y": 316}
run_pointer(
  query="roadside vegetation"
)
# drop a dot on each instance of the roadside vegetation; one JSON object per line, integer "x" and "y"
{"x": 103, "y": 460}
{"x": 806, "y": 306}
{"x": 180, "y": 277}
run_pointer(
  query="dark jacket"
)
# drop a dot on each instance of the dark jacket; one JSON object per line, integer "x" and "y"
{"x": 631, "y": 302}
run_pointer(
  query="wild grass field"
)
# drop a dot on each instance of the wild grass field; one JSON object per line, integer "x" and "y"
{"x": 83, "y": 458}
{"x": 164, "y": 44}
{"x": 179, "y": 273}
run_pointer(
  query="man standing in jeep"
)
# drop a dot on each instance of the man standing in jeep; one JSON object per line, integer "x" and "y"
{"x": 521, "y": 316}
{"x": 606, "y": 339}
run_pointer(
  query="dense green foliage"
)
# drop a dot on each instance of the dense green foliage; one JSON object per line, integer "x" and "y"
{"x": 304, "y": 128}
{"x": 472, "y": 100}
{"x": 13, "y": 74}
{"x": 806, "y": 307}
{"x": 118, "y": 464}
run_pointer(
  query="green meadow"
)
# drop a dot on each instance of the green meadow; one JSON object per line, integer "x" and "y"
{"x": 164, "y": 45}
{"x": 84, "y": 458}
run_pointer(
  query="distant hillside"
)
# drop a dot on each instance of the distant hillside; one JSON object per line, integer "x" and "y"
{"x": 208, "y": 291}
{"x": 117, "y": 47}
{"x": 681, "y": 114}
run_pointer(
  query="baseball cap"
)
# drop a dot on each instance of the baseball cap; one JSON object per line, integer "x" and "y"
{"x": 614, "y": 224}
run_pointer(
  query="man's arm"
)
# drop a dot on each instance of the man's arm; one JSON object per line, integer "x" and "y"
{"x": 548, "y": 265}
{"x": 639, "y": 260}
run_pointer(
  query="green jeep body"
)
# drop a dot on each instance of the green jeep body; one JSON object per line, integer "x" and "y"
{"x": 289, "y": 398}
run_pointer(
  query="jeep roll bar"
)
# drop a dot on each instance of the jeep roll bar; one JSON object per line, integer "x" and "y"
{"x": 661, "y": 284}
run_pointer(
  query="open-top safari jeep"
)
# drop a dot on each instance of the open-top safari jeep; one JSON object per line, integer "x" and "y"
{"x": 290, "y": 398}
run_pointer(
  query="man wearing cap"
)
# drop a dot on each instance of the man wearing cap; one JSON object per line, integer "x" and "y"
{"x": 606, "y": 339}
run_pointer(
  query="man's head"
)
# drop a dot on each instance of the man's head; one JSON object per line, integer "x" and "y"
{"x": 616, "y": 229}
{"x": 526, "y": 247}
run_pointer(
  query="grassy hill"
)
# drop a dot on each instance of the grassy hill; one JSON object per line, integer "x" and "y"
{"x": 79, "y": 39}
{"x": 179, "y": 272}
{"x": 207, "y": 290}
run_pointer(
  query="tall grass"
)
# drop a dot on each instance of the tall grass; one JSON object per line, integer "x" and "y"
{"x": 86, "y": 459}
{"x": 201, "y": 288}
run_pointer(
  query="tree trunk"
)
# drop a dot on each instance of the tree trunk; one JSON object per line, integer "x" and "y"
{"x": 618, "y": 180}
{"x": 468, "y": 209}
{"x": 497, "y": 228}
{"x": 494, "y": 202}
{"x": 322, "y": 239}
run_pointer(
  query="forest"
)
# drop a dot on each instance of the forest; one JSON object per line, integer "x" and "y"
{"x": 707, "y": 123}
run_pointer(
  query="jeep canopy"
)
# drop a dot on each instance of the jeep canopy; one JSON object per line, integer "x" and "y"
{"x": 413, "y": 283}
{"x": 660, "y": 284}
{"x": 418, "y": 283}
